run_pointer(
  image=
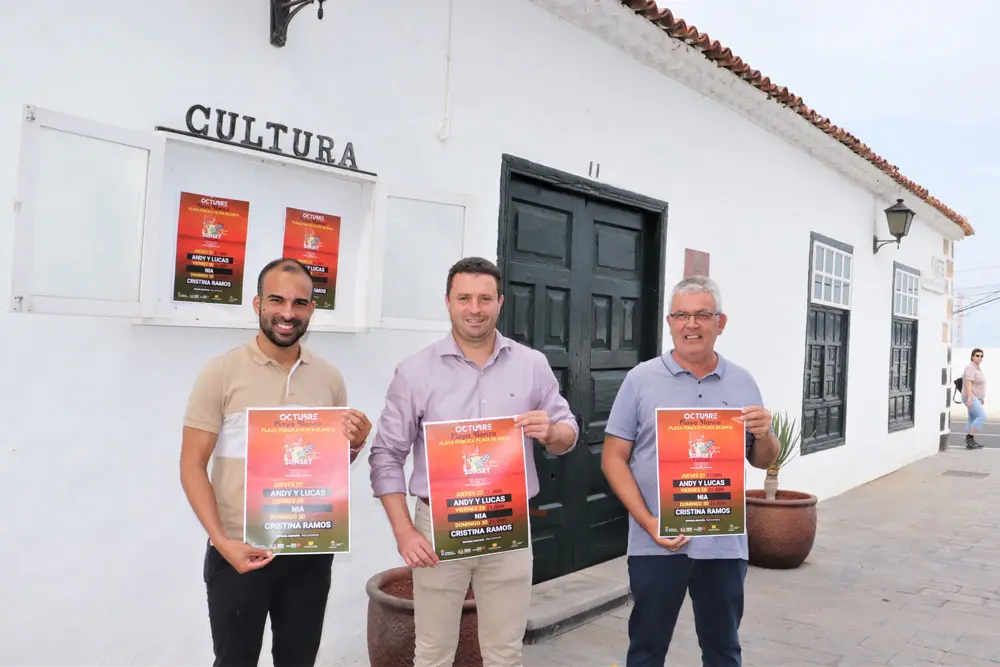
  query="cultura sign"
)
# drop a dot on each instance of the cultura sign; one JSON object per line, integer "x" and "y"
{"x": 228, "y": 125}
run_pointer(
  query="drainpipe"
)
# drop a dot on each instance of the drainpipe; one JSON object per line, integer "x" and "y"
{"x": 444, "y": 128}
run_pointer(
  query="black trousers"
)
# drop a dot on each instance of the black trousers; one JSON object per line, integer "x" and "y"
{"x": 659, "y": 585}
{"x": 292, "y": 589}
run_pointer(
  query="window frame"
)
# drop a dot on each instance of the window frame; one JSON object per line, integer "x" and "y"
{"x": 160, "y": 310}
{"x": 845, "y": 277}
{"x": 815, "y": 306}
{"x": 383, "y": 193}
{"x": 912, "y": 277}
{"x": 901, "y": 316}
{"x": 23, "y": 296}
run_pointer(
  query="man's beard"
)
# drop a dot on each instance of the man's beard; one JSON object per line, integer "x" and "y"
{"x": 298, "y": 330}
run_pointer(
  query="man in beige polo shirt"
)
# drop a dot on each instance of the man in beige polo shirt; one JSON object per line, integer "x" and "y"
{"x": 244, "y": 583}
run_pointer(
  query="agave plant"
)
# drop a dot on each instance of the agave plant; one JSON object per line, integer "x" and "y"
{"x": 788, "y": 437}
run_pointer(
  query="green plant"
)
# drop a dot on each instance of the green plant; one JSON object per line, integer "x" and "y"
{"x": 788, "y": 435}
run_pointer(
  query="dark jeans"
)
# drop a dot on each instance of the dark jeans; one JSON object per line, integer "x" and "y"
{"x": 659, "y": 584}
{"x": 293, "y": 589}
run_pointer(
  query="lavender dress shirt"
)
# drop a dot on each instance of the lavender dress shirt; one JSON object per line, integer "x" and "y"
{"x": 440, "y": 384}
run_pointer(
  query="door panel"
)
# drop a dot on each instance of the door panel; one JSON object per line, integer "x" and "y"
{"x": 615, "y": 250}
{"x": 823, "y": 382}
{"x": 573, "y": 284}
{"x": 539, "y": 290}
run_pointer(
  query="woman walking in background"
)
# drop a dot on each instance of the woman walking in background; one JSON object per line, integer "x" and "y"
{"x": 974, "y": 396}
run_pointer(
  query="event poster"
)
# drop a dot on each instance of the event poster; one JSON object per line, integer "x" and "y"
{"x": 211, "y": 249}
{"x": 298, "y": 481}
{"x": 314, "y": 239}
{"x": 700, "y": 471}
{"x": 478, "y": 487}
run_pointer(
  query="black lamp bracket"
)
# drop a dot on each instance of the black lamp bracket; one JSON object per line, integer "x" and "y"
{"x": 282, "y": 13}
{"x": 876, "y": 244}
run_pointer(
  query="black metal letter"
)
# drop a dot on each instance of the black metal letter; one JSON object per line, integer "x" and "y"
{"x": 189, "y": 119}
{"x": 277, "y": 127}
{"x": 349, "y": 155}
{"x": 295, "y": 142}
{"x": 325, "y": 146}
{"x": 248, "y": 120}
{"x": 226, "y": 136}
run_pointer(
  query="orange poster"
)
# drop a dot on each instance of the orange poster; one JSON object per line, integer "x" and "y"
{"x": 211, "y": 249}
{"x": 700, "y": 456}
{"x": 478, "y": 487}
{"x": 314, "y": 239}
{"x": 297, "y": 495}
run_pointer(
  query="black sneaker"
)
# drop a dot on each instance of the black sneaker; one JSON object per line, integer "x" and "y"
{"x": 970, "y": 442}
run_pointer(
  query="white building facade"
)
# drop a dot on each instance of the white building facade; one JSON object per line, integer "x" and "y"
{"x": 594, "y": 156}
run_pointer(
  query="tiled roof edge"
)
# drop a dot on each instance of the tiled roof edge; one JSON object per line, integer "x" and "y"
{"x": 723, "y": 57}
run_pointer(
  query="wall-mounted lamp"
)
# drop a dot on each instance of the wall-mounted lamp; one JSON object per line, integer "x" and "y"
{"x": 899, "y": 218}
{"x": 282, "y": 12}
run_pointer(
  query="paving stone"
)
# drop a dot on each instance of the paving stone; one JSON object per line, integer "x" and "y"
{"x": 973, "y": 591}
{"x": 911, "y": 588}
{"x": 543, "y": 655}
{"x": 907, "y": 661}
{"x": 903, "y": 648}
{"x": 768, "y": 652}
{"x": 965, "y": 661}
{"x": 941, "y": 641}
{"x": 610, "y": 622}
{"x": 864, "y": 655}
{"x": 984, "y": 647}
{"x": 827, "y": 640}
{"x": 593, "y": 645}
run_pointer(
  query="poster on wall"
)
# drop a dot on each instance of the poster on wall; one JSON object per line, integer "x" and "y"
{"x": 700, "y": 471}
{"x": 314, "y": 239}
{"x": 211, "y": 249}
{"x": 297, "y": 495}
{"x": 478, "y": 487}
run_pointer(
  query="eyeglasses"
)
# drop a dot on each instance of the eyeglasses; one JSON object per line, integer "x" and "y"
{"x": 700, "y": 316}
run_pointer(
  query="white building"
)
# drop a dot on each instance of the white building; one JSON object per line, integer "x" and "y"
{"x": 588, "y": 147}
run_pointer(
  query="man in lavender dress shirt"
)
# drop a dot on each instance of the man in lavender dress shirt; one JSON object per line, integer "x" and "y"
{"x": 473, "y": 372}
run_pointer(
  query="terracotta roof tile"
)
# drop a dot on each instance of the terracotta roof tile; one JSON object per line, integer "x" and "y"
{"x": 725, "y": 58}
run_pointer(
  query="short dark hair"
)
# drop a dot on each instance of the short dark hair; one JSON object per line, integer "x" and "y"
{"x": 476, "y": 265}
{"x": 285, "y": 264}
{"x": 974, "y": 351}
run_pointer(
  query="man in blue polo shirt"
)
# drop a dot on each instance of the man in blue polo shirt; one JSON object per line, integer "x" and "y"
{"x": 662, "y": 570}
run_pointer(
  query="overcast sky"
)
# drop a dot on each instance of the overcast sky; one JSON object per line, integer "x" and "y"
{"x": 917, "y": 81}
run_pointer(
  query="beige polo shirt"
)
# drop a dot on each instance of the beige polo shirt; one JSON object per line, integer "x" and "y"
{"x": 976, "y": 381}
{"x": 242, "y": 378}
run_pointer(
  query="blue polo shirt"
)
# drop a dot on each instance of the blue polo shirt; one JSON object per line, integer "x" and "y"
{"x": 662, "y": 383}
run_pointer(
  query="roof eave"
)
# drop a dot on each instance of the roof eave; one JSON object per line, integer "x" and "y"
{"x": 656, "y": 38}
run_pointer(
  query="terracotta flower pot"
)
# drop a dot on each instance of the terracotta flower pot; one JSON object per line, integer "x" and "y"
{"x": 780, "y": 532}
{"x": 391, "y": 632}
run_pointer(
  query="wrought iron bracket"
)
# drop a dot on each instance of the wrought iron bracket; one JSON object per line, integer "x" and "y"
{"x": 282, "y": 13}
{"x": 876, "y": 243}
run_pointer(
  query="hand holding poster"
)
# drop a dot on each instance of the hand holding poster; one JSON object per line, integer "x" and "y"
{"x": 700, "y": 471}
{"x": 478, "y": 487}
{"x": 298, "y": 481}
{"x": 211, "y": 249}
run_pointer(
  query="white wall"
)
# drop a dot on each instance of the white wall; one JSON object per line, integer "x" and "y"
{"x": 105, "y": 566}
{"x": 990, "y": 366}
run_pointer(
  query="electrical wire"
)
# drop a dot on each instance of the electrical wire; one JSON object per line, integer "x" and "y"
{"x": 971, "y": 297}
{"x": 979, "y": 268}
{"x": 968, "y": 290}
{"x": 973, "y": 305}
{"x": 976, "y": 305}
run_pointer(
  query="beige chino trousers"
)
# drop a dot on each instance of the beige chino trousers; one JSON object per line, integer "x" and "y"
{"x": 502, "y": 586}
